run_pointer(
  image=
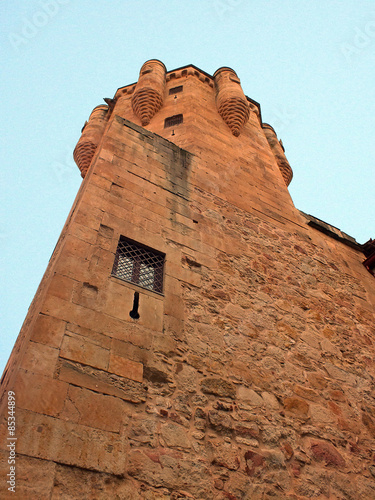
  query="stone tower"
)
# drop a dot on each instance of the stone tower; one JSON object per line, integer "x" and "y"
{"x": 195, "y": 336}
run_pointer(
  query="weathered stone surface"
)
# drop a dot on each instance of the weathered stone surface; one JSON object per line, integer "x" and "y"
{"x": 174, "y": 436}
{"x": 218, "y": 387}
{"x": 171, "y": 470}
{"x": 34, "y": 477}
{"x": 326, "y": 452}
{"x": 40, "y": 358}
{"x": 270, "y": 400}
{"x": 48, "y": 330}
{"x": 226, "y": 456}
{"x": 40, "y": 394}
{"x": 102, "y": 382}
{"x": 56, "y": 440}
{"x": 249, "y": 377}
{"x": 78, "y": 348}
{"x": 74, "y": 482}
{"x": 250, "y": 396}
{"x": 94, "y": 410}
{"x": 254, "y": 461}
{"x": 220, "y": 421}
{"x": 125, "y": 368}
{"x": 297, "y": 406}
{"x": 246, "y": 429}
{"x": 186, "y": 377}
{"x": 144, "y": 430}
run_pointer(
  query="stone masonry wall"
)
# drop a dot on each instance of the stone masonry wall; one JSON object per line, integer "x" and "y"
{"x": 250, "y": 377}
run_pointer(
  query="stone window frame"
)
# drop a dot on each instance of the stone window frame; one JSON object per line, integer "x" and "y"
{"x": 139, "y": 264}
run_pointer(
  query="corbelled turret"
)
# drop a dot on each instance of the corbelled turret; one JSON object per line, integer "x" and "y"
{"x": 149, "y": 92}
{"x": 92, "y": 133}
{"x": 230, "y": 99}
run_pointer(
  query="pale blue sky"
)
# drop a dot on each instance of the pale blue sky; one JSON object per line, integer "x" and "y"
{"x": 309, "y": 64}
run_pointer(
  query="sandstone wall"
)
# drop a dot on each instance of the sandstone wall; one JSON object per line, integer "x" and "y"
{"x": 250, "y": 377}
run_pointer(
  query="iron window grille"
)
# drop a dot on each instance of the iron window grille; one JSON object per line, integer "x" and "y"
{"x": 176, "y": 90}
{"x": 171, "y": 121}
{"x": 138, "y": 264}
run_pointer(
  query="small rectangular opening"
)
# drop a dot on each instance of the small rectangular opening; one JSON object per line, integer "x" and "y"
{"x": 171, "y": 121}
{"x": 176, "y": 90}
{"x": 139, "y": 264}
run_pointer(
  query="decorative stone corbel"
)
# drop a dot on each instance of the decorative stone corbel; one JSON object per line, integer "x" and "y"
{"x": 148, "y": 97}
{"x": 230, "y": 100}
{"x": 92, "y": 133}
{"x": 277, "y": 149}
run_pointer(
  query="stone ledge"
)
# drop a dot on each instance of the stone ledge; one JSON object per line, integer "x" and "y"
{"x": 331, "y": 231}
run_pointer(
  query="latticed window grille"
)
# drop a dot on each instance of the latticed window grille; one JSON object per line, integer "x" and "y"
{"x": 176, "y": 90}
{"x": 139, "y": 265}
{"x": 171, "y": 121}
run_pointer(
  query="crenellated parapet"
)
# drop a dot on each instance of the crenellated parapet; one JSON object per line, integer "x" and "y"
{"x": 278, "y": 152}
{"x": 176, "y": 74}
{"x": 149, "y": 92}
{"x": 230, "y": 100}
{"x": 91, "y": 136}
{"x": 190, "y": 71}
